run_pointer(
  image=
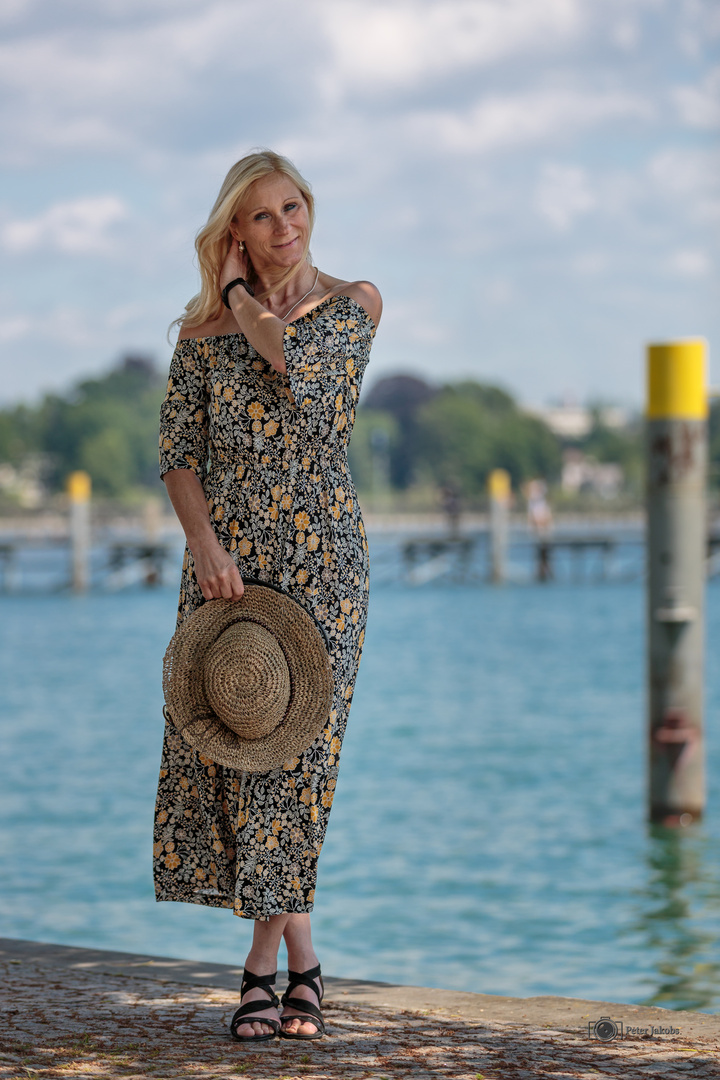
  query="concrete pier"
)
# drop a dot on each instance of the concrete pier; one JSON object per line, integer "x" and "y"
{"x": 87, "y": 1013}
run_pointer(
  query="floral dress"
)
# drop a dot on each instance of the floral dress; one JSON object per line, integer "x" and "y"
{"x": 270, "y": 450}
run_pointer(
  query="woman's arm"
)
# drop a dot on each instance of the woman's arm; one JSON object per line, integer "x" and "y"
{"x": 264, "y": 331}
{"x": 215, "y": 570}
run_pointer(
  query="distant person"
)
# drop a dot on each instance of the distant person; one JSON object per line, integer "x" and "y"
{"x": 261, "y": 401}
{"x": 452, "y": 508}
{"x": 540, "y": 521}
{"x": 538, "y": 509}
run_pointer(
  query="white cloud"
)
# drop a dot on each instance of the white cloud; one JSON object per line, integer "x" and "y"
{"x": 12, "y": 328}
{"x": 688, "y": 178}
{"x": 563, "y": 194}
{"x": 378, "y": 45}
{"x": 690, "y": 263}
{"x": 699, "y": 105}
{"x": 626, "y": 34}
{"x": 497, "y": 123}
{"x": 78, "y": 227}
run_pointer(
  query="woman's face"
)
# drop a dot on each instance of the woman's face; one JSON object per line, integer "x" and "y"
{"x": 273, "y": 223}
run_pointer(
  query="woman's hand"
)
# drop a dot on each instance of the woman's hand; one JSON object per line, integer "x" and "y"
{"x": 236, "y": 265}
{"x": 216, "y": 572}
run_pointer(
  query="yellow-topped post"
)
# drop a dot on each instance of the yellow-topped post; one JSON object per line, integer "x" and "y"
{"x": 676, "y": 553}
{"x": 499, "y": 493}
{"x": 79, "y": 490}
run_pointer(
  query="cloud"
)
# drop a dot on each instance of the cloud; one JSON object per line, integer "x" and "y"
{"x": 78, "y": 227}
{"x": 376, "y": 45}
{"x": 519, "y": 152}
{"x": 699, "y": 105}
{"x": 690, "y": 263}
{"x": 687, "y": 178}
{"x": 14, "y": 327}
{"x": 563, "y": 194}
{"x": 498, "y": 123}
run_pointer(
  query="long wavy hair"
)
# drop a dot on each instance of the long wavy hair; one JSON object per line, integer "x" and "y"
{"x": 213, "y": 241}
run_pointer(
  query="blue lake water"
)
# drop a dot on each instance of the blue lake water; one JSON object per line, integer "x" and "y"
{"x": 489, "y": 829}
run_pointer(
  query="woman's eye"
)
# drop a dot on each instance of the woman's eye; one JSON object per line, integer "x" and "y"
{"x": 291, "y": 206}
{"x": 258, "y": 217}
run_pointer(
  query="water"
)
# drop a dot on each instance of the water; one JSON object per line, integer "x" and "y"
{"x": 488, "y": 832}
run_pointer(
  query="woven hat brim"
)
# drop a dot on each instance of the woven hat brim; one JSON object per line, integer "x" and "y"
{"x": 310, "y": 678}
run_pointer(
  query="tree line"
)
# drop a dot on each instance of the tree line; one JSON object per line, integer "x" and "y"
{"x": 106, "y": 426}
{"x": 409, "y": 435}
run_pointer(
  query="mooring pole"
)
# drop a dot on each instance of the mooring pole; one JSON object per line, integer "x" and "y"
{"x": 78, "y": 489}
{"x": 676, "y": 543}
{"x": 499, "y": 492}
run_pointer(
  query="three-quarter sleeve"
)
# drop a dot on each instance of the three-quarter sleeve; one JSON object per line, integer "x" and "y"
{"x": 326, "y": 353}
{"x": 184, "y": 412}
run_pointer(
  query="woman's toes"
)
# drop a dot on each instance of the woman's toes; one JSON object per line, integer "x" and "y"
{"x": 296, "y": 1027}
{"x": 248, "y": 1030}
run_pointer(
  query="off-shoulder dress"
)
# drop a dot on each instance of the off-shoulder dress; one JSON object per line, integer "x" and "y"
{"x": 271, "y": 451}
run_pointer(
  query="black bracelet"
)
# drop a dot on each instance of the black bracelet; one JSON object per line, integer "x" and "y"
{"x": 231, "y": 285}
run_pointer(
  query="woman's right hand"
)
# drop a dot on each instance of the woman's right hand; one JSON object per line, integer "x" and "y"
{"x": 235, "y": 265}
{"x": 216, "y": 572}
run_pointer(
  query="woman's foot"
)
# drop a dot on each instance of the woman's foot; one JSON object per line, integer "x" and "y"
{"x": 257, "y": 1019}
{"x": 301, "y": 1017}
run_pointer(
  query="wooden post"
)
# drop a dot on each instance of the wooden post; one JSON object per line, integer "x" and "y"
{"x": 676, "y": 542}
{"x": 499, "y": 490}
{"x": 79, "y": 490}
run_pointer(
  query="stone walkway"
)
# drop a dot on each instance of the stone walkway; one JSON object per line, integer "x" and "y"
{"x": 66, "y": 1017}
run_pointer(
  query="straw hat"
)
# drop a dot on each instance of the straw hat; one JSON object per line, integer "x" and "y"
{"x": 248, "y": 683}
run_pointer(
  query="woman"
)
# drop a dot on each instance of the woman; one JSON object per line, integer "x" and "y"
{"x": 254, "y": 429}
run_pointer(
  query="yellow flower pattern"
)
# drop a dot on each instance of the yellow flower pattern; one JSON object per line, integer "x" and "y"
{"x": 270, "y": 450}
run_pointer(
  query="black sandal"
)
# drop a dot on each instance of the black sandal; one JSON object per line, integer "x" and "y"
{"x": 307, "y": 1012}
{"x": 246, "y": 1014}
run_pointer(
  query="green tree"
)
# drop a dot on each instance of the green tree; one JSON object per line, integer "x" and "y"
{"x": 622, "y": 446}
{"x": 401, "y": 397}
{"x": 374, "y": 440}
{"x": 714, "y": 440}
{"x": 468, "y": 429}
{"x": 107, "y": 426}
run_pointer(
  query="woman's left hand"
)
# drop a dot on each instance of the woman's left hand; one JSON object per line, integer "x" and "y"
{"x": 236, "y": 265}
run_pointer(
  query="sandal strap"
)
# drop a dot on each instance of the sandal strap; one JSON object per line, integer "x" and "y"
{"x": 262, "y": 982}
{"x": 306, "y": 1010}
{"x": 248, "y": 1012}
{"x": 304, "y": 978}
{"x": 245, "y": 1014}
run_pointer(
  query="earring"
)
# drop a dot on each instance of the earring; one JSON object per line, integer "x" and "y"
{"x": 241, "y": 246}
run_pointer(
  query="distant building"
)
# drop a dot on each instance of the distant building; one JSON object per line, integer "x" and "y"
{"x": 569, "y": 421}
{"x": 584, "y": 474}
{"x": 24, "y": 485}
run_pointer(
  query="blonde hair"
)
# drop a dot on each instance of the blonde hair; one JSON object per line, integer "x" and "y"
{"x": 213, "y": 241}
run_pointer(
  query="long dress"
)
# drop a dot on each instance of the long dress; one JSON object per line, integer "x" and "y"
{"x": 270, "y": 450}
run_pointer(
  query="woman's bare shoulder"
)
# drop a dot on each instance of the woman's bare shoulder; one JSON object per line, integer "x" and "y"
{"x": 364, "y": 293}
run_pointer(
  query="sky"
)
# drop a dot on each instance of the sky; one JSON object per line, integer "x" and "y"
{"x": 532, "y": 184}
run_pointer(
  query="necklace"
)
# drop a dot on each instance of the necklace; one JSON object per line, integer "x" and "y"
{"x": 297, "y": 302}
